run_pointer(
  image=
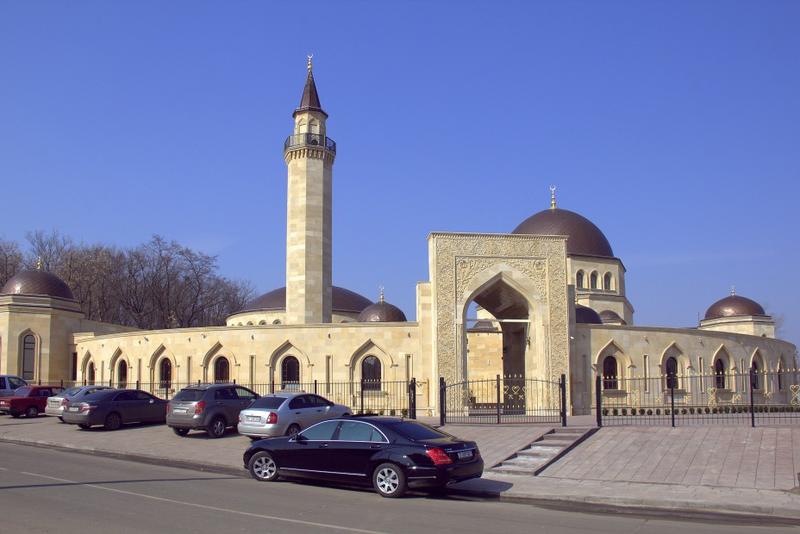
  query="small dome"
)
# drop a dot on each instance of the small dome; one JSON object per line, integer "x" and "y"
{"x": 382, "y": 312}
{"x": 586, "y": 315}
{"x": 37, "y": 282}
{"x": 611, "y": 317}
{"x": 344, "y": 301}
{"x": 732, "y": 306}
{"x": 584, "y": 238}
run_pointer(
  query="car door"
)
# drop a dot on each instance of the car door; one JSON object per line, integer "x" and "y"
{"x": 245, "y": 397}
{"x": 320, "y": 408}
{"x": 41, "y": 398}
{"x": 150, "y": 407}
{"x": 301, "y": 411}
{"x": 228, "y": 403}
{"x": 4, "y": 390}
{"x": 355, "y": 444}
{"x": 307, "y": 454}
{"x": 13, "y": 383}
{"x": 126, "y": 406}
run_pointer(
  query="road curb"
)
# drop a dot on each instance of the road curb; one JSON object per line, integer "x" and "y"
{"x": 586, "y": 504}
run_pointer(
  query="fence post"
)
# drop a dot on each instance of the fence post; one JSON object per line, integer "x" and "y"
{"x": 412, "y": 399}
{"x": 562, "y": 385}
{"x": 672, "y": 380}
{"x": 137, "y": 385}
{"x": 62, "y": 383}
{"x": 315, "y": 386}
{"x": 362, "y": 396}
{"x": 598, "y": 400}
{"x": 498, "y": 399}
{"x": 752, "y": 402}
{"x": 442, "y": 401}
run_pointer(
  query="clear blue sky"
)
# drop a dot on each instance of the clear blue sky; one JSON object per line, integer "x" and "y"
{"x": 674, "y": 126}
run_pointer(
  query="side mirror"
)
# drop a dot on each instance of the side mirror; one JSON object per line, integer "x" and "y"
{"x": 300, "y": 438}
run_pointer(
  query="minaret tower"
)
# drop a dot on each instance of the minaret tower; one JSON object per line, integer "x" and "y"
{"x": 309, "y": 154}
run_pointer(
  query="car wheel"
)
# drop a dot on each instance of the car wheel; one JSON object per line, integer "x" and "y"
{"x": 181, "y": 431}
{"x": 217, "y": 427}
{"x": 293, "y": 430}
{"x": 113, "y": 421}
{"x": 32, "y": 411}
{"x": 60, "y": 419}
{"x": 389, "y": 480}
{"x": 263, "y": 467}
{"x": 84, "y": 426}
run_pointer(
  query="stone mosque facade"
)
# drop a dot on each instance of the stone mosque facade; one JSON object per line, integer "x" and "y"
{"x": 548, "y": 299}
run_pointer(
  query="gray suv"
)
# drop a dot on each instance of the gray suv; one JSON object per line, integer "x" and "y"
{"x": 9, "y": 383}
{"x": 209, "y": 407}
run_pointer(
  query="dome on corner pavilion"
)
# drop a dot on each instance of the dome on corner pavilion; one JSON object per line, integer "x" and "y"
{"x": 733, "y": 306}
{"x": 39, "y": 283}
{"x": 382, "y": 312}
{"x": 584, "y": 237}
{"x": 586, "y": 315}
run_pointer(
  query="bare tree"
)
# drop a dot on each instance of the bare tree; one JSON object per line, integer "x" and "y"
{"x": 10, "y": 260}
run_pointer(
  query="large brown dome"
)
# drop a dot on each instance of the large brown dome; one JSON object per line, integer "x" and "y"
{"x": 344, "y": 300}
{"x": 584, "y": 238}
{"x": 382, "y": 312}
{"x": 586, "y": 315}
{"x": 733, "y": 306}
{"x": 37, "y": 282}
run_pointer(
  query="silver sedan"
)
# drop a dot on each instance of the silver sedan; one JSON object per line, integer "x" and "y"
{"x": 55, "y": 404}
{"x": 286, "y": 414}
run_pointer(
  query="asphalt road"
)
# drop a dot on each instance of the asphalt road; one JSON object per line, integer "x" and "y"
{"x": 43, "y": 490}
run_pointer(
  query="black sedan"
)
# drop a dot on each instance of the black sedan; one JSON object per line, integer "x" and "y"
{"x": 113, "y": 408}
{"x": 390, "y": 454}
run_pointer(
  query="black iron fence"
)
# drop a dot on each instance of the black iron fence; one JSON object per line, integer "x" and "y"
{"x": 379, "y": 397}
{"x": 754, "y": 398}
{"x": 511, "y": 399}
{"x": 309, "y": 139}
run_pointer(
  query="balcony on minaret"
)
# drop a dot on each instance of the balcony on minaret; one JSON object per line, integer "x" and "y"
{"x": 309, "y": 140}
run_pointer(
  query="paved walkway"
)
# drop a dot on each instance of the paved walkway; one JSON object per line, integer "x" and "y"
{"x": 713, "y": 455}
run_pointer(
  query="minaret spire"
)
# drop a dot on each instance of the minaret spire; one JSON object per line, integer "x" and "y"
{"x": 310, "y": 99}
{"x": 552, "y": 197}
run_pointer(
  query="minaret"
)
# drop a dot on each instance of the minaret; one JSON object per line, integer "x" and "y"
{"x": 309, "y": 155}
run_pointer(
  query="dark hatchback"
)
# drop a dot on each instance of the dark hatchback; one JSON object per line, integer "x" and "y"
{"x": 390, "y": 454}
{"x": 113, "y": 408}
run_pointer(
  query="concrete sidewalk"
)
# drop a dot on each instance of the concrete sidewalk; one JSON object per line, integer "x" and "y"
{"x": 157, "y": 444}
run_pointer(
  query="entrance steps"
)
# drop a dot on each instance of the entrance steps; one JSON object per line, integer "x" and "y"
{"x": 543, "y": 452}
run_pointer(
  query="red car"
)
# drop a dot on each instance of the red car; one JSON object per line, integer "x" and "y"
{"x": 28, "y": 400}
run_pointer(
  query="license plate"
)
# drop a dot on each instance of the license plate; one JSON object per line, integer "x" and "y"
{"x": 179, "y": 410}
{"x": 253, "y": 418}
{"x": 73, "y": 408}
{"x": 464, "y": 454}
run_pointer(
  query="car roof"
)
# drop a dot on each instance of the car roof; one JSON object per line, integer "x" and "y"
{"x": 210, "y": 386}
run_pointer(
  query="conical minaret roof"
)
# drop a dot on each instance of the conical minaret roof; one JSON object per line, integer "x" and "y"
{"x": 310, "y": 99}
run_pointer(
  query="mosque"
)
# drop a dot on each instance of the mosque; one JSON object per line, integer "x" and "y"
{"x": 548, "y": 299}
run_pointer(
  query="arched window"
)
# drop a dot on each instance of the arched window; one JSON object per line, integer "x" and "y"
{"x": 222, "y": 370}
{"x": 580, "y": 279}
{"x": 671, "y": 372}
{"x": 276, "y": 321}
{"x": 607, "y": 282}
{"x": 165, "y": 373}
{"x": 290, "y": 371}
{"x": 610, "y": 376}
{"x": 780, "y": 375}
{"x": 122, "y": 374}
{"x": 593, "y": 280}
{"x": 28, "y": 357}
{"x": 90, "y": 378}
{"x": 262, "y": 322}
{"x": 754, "y": 375}
{"x": 719, "y": 374}
{"x": 371, "y": 373}
{"x": 249, "y": 323}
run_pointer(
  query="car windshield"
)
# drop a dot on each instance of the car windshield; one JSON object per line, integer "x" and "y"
{"x": 22, "y": 392}
{"x": 418, "y": 431}
{"x": 190, "y": 395}
{"x": 269, "y": 403}
{"x": 69, "y": 392}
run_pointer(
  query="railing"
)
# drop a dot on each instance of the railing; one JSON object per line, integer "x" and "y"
{"x": 378, "y": 397}
{"x": 754, "y": 398}
{"x": 511, "y": 399}
{"x": 309, "y": 139}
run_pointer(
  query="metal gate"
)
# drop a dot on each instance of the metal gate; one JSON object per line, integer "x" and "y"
{"x": 510, "y": 399}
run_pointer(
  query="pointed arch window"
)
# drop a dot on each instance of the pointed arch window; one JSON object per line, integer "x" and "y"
{"x": 90, "y": 374}
{"x": 28, "y": 357}
{"x": 719, "y": 374}
{"x": 290, "y": 371}
{"x": 165, "y": 373}
{"x": 580, "y": 279}
{"x": 607, "y": 281}
{"x": 122, "y": 374}
{"x": 593, "y": 280}
{"x": 610, "y": 373}
{"x": 754, "y": 374}
{"x": 671, "y": 372}
{"x": 222, "y": 370}
{"x": 780, "y": 375}
{"x": 371, "y": 373}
